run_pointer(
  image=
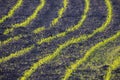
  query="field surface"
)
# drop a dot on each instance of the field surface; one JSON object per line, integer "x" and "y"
{"x": 59, "y": 39}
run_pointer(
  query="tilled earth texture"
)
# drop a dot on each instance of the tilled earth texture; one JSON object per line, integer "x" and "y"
{"x": 59, "y": 39}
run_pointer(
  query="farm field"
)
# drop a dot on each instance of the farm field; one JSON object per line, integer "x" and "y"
{"x": 59, "y": 40}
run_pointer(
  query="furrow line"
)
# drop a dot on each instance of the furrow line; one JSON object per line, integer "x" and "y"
{"x": 11, "y": 39}
{"x": 16, "y": 54}
{"x": 12, "y": 11}
{"x": 60, "y": 13}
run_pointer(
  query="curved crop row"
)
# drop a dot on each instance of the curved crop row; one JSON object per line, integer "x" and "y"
{"x": 12, "y": 11}
{"x": 15, "y": 38}
{"x": 16, "y": 54}
{"x": 38, "y": 30}
{"x": 60, "y": 13}
{"x": 83, "y": 17}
